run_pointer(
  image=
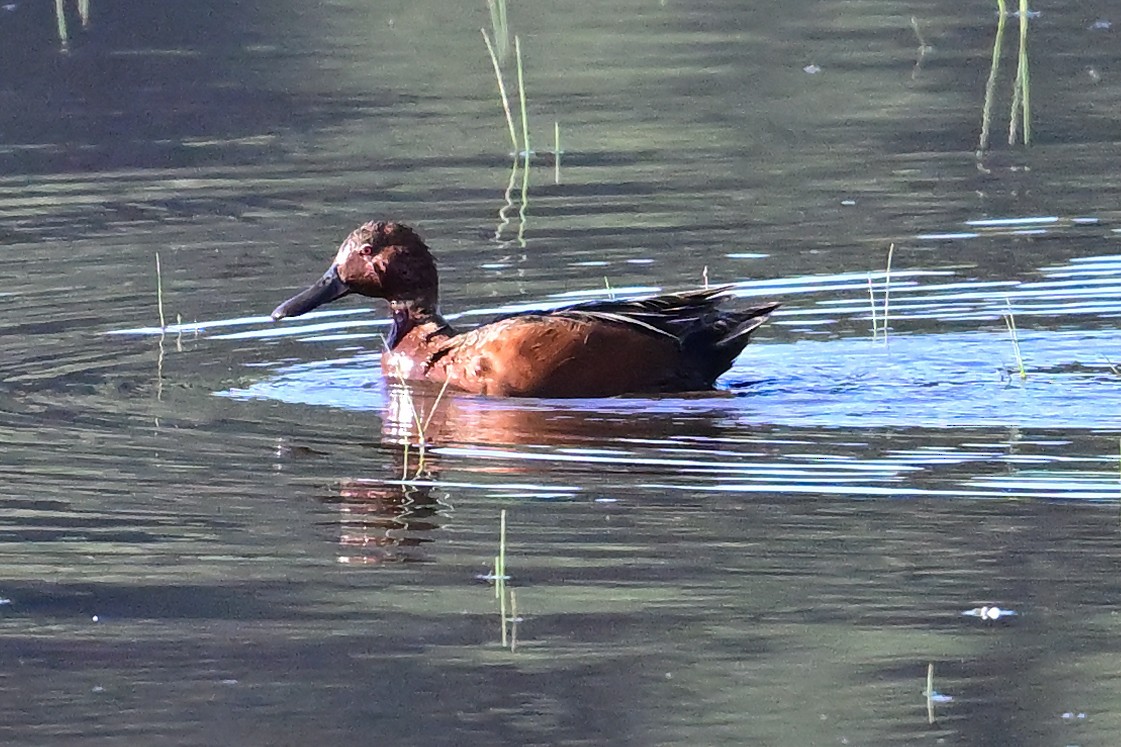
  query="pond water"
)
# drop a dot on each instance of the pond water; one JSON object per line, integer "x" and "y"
{"x": 230, "y": 531}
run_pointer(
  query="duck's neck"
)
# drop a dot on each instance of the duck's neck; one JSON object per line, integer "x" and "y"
{"x": 412, "y": 313}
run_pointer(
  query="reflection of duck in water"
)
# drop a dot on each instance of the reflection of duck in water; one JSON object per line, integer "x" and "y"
{"x": 385, "y": 522}
{"x": 668, "y": 343}
{"x": 420, "y": 412}
{"x": 392, "y": 514}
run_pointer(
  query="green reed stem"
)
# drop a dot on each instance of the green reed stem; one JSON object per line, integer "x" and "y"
{"x": 497, "y": 577}
{"x": 872, "y": 302}
{"x": 1023, "y": 80}
{"x": 502, "y": 616}
{"x": 521, "y": 97}
{"x": 887, "y": 286}
{"x": 929, "y": 693}
{"x": 503, "y": 96}
{"x": 500, "y": 27}
{"x": 556, "y": 152}
{"x": 502, "y": 543}
{"x": 1010, "y": 321}
{"x": 990, "y": 84}
{"x": 422, "y": 441}
{"x": 60, "y": 18}
{"x": 159, "y": 292}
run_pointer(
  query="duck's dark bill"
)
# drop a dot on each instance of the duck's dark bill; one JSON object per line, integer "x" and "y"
{"x": 326, "y": 289}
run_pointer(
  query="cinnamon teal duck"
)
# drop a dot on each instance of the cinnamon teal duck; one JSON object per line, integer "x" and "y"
{"x": 676, "y": 342}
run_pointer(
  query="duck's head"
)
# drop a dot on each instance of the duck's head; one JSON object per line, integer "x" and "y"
{"x": 381, "y": 260}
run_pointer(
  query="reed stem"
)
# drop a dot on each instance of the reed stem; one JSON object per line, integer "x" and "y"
{"x": 1023, "y": 79}
{"x": 929, "y": 693}
{"x": 522, "y": 97}
{"x": 1010, "y": 322}
{"x": 60, "y": 18}
{"x": 159, "y": 292}
{"x": 505, "y": 98}
{"x": 872, "y": 302}
{"x": 990, "y": 84}
{"x": 887, "y": 286}
{"x": 556, "y": 152}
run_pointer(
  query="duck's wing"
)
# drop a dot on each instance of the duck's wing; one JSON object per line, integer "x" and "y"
{"x": 680, "y": 316}
{"x": 670, "y": 314}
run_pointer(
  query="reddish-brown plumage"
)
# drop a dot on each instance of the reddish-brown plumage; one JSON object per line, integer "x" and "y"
{"x": 668, "y": 343}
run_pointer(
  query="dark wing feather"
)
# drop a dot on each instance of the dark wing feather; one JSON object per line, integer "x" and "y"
{"x": 671, "y": 314}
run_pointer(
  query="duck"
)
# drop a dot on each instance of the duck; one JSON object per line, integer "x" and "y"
{"x": 658, "y": 344}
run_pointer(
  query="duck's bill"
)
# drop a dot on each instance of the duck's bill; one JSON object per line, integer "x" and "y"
{"x": 326, "y": 289}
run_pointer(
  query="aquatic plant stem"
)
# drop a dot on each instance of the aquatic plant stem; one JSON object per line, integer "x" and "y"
{"x": 524, "y": 207}
{"x": 887, "y": 287}
{"x": 407, "y": 395}
{"x": 502, "y": 543}
{"x": 929, "y": 693}
{"x": 435, "y": 403}
{"x": 500, "y": 586}
{"x": 422, "y": 438}
{"x": 1010, "y": 321}
{"x": 159, "y": 293}
{"x": 500, "y": 27}
{"x": 503, "y": 96}
{"x": 990, "y": 84}
{"x": 556, "y": 153}
{"x": 521, "y": 98}
{"x": 872, "y": 302}
{"x": 1023, "y": 80}
{"x": 60, "y": 18}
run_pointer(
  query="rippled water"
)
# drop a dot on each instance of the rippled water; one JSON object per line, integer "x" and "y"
{"x": 228, "y": 531}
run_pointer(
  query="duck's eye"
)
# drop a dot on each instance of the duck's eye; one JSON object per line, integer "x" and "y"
{"x": 366, "y": 250}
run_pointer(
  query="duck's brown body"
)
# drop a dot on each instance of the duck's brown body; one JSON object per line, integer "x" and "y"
{"x": 541, "y": 356}
{"x": 668, "y": 343}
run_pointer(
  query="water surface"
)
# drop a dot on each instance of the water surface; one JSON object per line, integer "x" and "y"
{"x": 216, "y": 534}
